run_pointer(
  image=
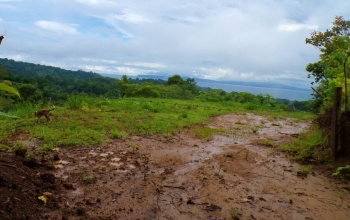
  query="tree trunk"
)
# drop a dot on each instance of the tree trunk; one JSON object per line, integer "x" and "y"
{"x": 334, "y": 141}
{"x": 346, "y": 85}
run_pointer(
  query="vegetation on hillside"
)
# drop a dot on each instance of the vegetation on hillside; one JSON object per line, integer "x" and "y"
{"x": 44, "y": 84}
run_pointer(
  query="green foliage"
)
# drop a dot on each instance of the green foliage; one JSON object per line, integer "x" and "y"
{"x": 116, "y": 134}
{"x": 205, "y": 133}
{"x": 24, "y": 109}
{"x": 311, "y": 145}
{"x": 5, "y": 101}
{"x": 303, "y": 171}
{"x": 56, "y": 83}
{"x": 10, "y": 89}
{"x": 175, "y": 80}
{"x": 342, "y": 172}
{"x": 332, "y": 68}
{"x": 40, "y": 84}
{"x": 75, "y": 102}
{"x": 30, "y": 93}
{"x": 212, "y": 95}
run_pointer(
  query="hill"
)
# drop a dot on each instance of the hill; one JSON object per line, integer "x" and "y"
{"x": 24, "y": 69}
{"x": 37, "y": 82}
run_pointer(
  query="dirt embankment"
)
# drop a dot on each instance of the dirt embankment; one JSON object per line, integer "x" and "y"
{"x": 236, "y": 175}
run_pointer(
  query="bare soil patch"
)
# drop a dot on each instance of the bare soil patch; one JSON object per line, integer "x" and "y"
{"x": 237, "y": 175}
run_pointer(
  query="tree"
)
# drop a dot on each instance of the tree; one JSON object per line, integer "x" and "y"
{"x": 122, "y": 85}
{"x": 331, "y": 70}
{"x": 30, "y": 93}
{"x": 175, "y": 80}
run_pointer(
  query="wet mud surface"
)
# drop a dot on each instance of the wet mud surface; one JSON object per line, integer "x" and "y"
{"x": 239, "y": 174}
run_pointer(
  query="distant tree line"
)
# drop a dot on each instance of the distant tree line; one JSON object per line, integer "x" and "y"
{"x": 40, "y": 83}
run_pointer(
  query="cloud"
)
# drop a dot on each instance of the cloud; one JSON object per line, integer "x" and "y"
{"x": 105, "y": 61}
{"x": 57, "y": 27}
{"x": 296, "y": 27}
{"x": 131, "y": 71}
{"x": 96, "y": 68}
{"x": 128, "y": 70}
{"x": 228, "y": 40}
{"x": 94, "y": 2}
{"x": 130, "y": 17}
{"x": 216, "y": 73}
{"x": 10, "y": 0}
{"x": 146, "y": 65}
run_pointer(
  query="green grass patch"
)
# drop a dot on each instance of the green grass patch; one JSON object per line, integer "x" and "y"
{"x": 87, "y": 121}
{"x": 116, "y": 134}
{"x": 342, "y": 172}
{"x": 303, "y": 171}
{"x": 206, "y": 133}
{"x": 311, "y": 146}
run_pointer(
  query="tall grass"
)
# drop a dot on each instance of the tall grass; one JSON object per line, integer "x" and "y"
{"x": 75, "y": 102}
{"x": 24, "y": 109}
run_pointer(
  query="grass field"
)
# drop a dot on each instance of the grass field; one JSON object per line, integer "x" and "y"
{"x": 87, "y": 121}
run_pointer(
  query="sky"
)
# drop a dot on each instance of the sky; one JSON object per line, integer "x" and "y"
{"x": 240, "y": 40}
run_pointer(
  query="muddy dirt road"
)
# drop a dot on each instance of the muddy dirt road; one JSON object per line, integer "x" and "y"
{"x": 239, "y": 174}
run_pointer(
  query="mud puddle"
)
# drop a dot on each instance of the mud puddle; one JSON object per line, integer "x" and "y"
{"x": 238, "y": 173}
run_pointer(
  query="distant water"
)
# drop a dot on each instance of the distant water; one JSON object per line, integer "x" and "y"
{"x": 299, "y": 95}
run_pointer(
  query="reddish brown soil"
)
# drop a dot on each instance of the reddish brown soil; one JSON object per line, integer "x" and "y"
{"x": 237, "y": 175}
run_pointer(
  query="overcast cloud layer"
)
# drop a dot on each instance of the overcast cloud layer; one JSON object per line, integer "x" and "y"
{"x": 244, "y": 40}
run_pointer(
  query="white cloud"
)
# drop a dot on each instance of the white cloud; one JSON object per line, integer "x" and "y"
{"x": 228, "y": 39}
{"x": 146, "y": 65}
{"x": 96, "y": 68}
{"x": 57, "y": 27}
{"x": 130, "y": 71}
{"x": 99, "y": 61}
{"x": 19, "y": 57}
{"x": 215, "y": 73}
{"x": 130, "y": 17}
{"x": 10, "y": 0}
{"x": 296, "y": 27}
{"x": 94, "y": 2}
